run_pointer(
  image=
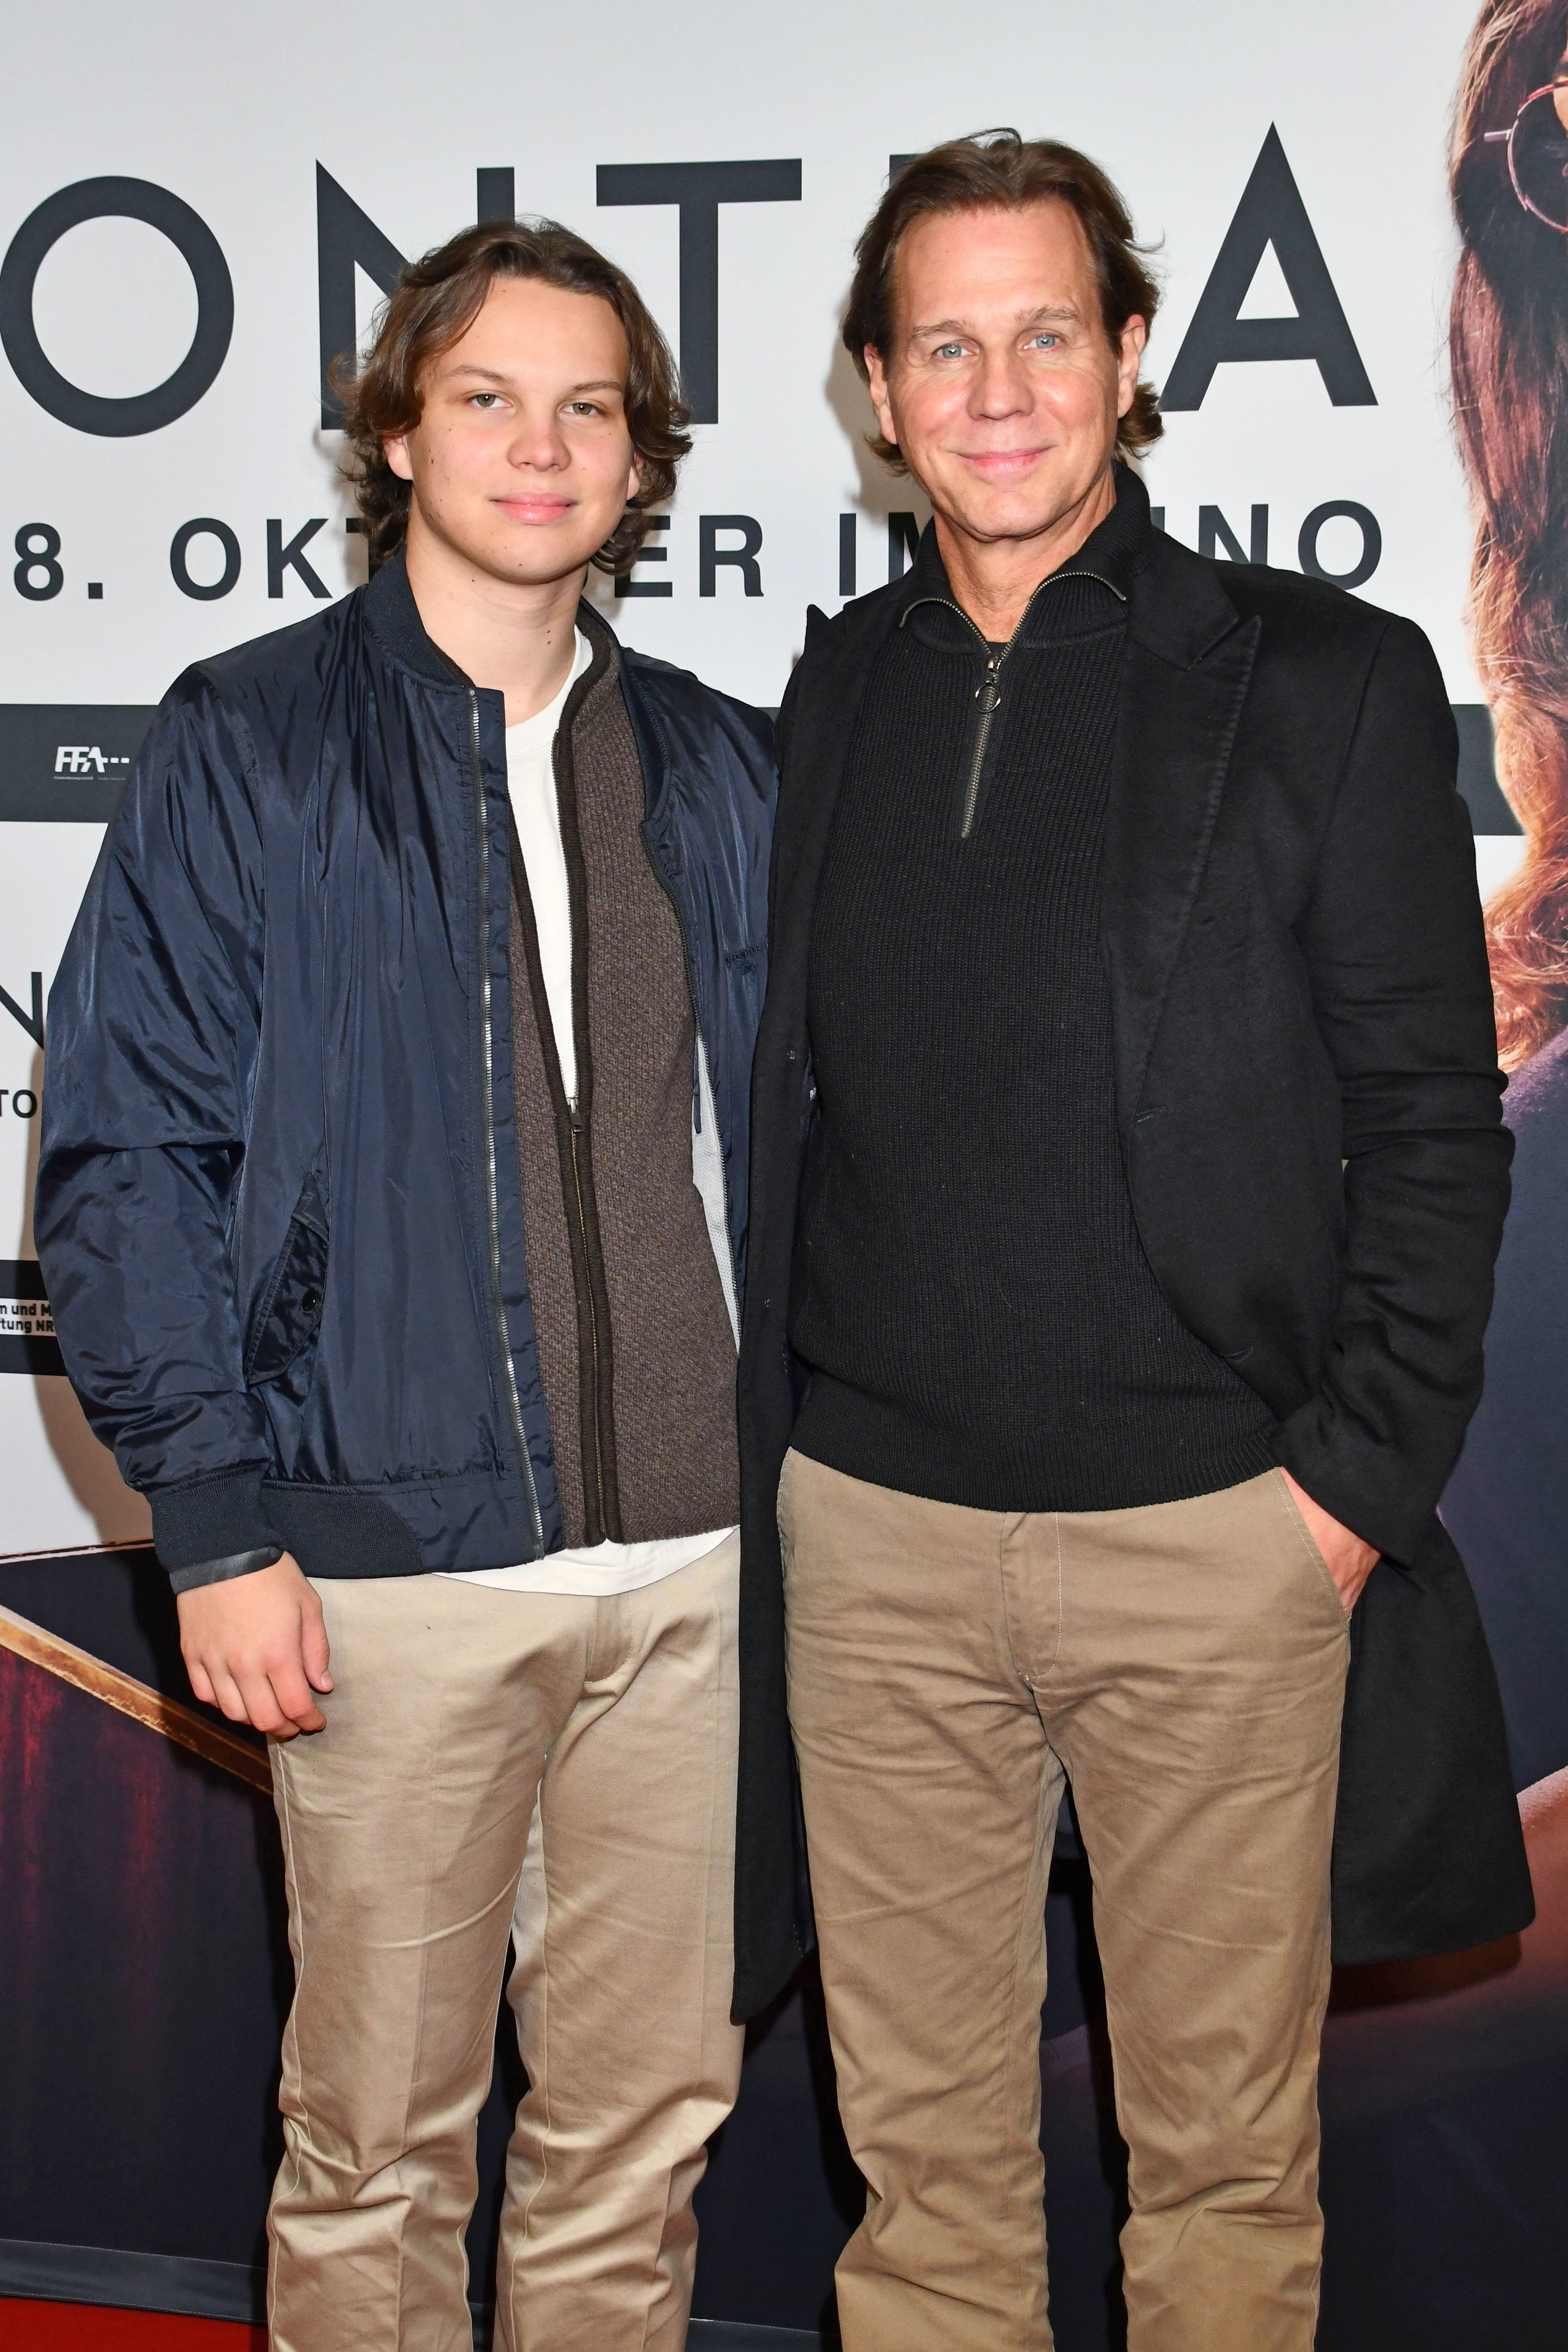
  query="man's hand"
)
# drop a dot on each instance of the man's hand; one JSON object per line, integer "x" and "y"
{"x": 1348, "y": 1559}
{"x": 256, "y": 1647}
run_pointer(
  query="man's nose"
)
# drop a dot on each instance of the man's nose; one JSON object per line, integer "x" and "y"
{"x": 998, "y": 387}
{"x": 540, "y": 443}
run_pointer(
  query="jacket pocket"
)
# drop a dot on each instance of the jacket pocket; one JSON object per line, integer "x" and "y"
{"x": 291, "y": 1303}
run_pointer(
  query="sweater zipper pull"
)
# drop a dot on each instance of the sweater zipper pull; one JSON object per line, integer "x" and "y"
{"x": 987, "y": 694}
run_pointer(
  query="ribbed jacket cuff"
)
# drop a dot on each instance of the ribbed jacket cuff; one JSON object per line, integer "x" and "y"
{"x": 208, "y": 1524}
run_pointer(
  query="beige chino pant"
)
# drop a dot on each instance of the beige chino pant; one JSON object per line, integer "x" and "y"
{"x": 1184, "y": 1665}
{"x": 563, "y": 1771}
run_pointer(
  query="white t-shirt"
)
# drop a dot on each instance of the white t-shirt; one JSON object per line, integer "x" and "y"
{"x": 595, "y": 1570}
{"x": 530, "y": 784}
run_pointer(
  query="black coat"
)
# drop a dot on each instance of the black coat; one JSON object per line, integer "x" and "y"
{"x": 1309, "y": 1104}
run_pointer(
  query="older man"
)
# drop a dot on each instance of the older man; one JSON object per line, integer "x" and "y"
{"x": 1128, "y": 1177}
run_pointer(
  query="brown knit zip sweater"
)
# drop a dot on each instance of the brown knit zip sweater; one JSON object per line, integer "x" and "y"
{"x": 636, "y": 1351}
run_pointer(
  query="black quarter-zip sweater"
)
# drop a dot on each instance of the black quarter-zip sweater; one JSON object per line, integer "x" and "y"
{"x": 970, "y": 1289}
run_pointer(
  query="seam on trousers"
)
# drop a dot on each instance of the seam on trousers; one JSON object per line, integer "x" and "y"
{"x": 704, "y": 2053}
{"x": 520, "y": 2236}
{"x": 426, "y": 1781}
{"x": 291, "y": 1893}
{"x": 1021, "y": 2279}
{"x": 1057, "y": 1653}
{"x": 706, "y": 1890}
{"x": 716, "y": 1615}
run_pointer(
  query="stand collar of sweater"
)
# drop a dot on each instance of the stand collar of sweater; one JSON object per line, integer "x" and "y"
{"x": 1072, "y": 600}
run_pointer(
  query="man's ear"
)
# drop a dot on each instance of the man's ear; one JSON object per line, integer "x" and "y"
{"x": 396, "y": 448}
{"x": 1134, "y": 335}
{"x": 877, "y": 384}
{"x": 634, "y": 477}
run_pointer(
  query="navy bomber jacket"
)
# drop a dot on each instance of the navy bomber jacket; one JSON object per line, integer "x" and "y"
{"x": 279, "y": 1206}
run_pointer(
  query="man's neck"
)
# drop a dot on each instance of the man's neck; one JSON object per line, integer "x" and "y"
{"x": 517, "y": 637}
{"x": 992, "y": 580}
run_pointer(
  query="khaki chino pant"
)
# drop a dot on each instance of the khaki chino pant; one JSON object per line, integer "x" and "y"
{"x": 557, "y": 1770}
{"x": 1184, "y": 1665}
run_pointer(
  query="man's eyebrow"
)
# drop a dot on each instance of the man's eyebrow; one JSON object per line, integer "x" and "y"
{"x": 496, "y": 375}
{"x": 1067, "y": 312}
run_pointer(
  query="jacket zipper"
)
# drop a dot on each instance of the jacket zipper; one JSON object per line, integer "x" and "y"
{"x": 578, "y": 1128}
{"x": 487, "y": 1110}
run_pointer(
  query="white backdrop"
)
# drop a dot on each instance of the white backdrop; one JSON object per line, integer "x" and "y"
{"x": 233, "y": 111}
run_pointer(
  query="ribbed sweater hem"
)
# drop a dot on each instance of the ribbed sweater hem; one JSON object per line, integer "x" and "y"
{"x": 996, "y": 1470}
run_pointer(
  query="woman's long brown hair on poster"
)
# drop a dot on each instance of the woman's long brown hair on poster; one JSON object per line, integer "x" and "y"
{"x": 1507, "y": 1504}
{"x": 1508, "y": 347}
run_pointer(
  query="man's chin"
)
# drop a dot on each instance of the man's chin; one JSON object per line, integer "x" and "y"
{"x": 1011, "y": 514}
{"x": 545, "y": 558}
{"x": 1021, "y": 506}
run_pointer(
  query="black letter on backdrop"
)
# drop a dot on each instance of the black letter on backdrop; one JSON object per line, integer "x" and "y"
{"x": 344, "y": 235}
{"x": 281, "y": 559}
{"x": 33, "y": 1023}
{"x": 203, "y": 527}
{"x": 1271, "y": 213}
{"x": 846, "y": 554}
{"x": 116, "y": 199}
{"x": 626, "y": 586}
{"x": 710, "y": 555}
{"x": 1215, "y": 532}
{"x": 903, "y": 540}
{"x": 699, "y": 189}
{"x": 497, "y": 195}
{"x": 1366, "y": 522}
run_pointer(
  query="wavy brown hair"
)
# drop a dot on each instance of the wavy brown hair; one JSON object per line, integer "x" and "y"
{"x": 1508, "y": 348}
{"x": 998, "y": 170}
{"x": 437, "y": 300}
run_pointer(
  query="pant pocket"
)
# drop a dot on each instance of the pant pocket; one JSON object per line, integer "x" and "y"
{"x": 783, "y": 1514}
{"x": 1324, "y": 1581}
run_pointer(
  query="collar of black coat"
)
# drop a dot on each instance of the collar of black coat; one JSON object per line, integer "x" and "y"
{"x": 393, "y": 618}
{"x": 1176, "y": 604}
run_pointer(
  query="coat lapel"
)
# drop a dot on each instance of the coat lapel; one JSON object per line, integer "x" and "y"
{"x": 818, "y": 726}
{"x": 1185, "y": 678}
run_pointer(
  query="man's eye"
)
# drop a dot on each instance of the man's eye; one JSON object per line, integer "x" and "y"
{"x": 487, "y": 399}
{"x": 948, "y": 351}
{"x": 1045, "y": 342}
{"x": 585, "y": 407}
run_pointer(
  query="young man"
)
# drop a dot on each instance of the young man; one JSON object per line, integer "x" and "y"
{"x": 394, "y": 1203}
{"x": 1127, "y": 1176}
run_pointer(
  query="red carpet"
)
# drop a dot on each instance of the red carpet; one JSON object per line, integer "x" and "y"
{"x": 84, "y": 2327}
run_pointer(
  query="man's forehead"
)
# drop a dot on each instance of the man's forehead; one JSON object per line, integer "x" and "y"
{"x": 549, "y": 327}
{"x": 966, "y": 260}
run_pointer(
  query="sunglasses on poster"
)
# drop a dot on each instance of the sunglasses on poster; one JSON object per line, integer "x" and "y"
{"x": 1537, "y": 144}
